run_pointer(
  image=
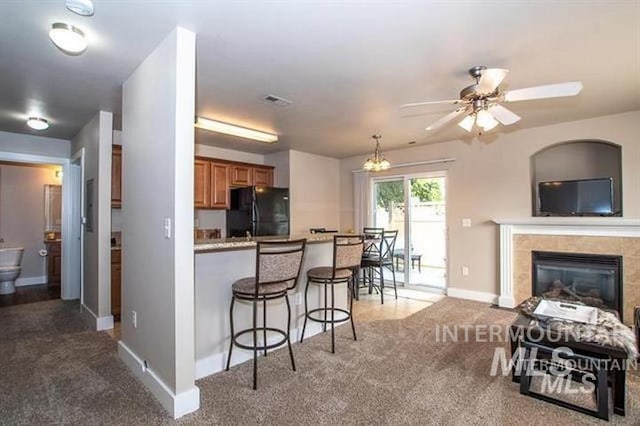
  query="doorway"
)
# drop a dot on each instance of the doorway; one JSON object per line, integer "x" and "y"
{"x": 415, "y": 205}
{"x": 69, "y": 285}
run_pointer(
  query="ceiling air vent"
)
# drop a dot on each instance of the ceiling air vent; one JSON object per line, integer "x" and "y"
{"x": 276, "y": 100}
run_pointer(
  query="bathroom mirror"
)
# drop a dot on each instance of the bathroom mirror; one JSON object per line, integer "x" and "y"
{"x": 52, "y": 208}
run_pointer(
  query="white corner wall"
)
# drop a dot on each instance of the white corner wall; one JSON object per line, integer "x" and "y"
{"x": 96, "y": 138}
{"x": 158, "y": 267}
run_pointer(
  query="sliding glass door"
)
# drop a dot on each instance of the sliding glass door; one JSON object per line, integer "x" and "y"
{"x": 415, "y": 205}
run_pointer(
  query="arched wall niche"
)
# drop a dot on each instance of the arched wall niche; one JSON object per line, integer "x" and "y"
{"x": 578, "y": 159}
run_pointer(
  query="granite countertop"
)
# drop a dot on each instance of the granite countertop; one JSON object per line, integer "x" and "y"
{"x": 240, "y": 243}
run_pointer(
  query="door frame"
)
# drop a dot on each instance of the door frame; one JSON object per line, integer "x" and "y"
{"x": 406, "y": 179}
{"x": 68, "y": 288}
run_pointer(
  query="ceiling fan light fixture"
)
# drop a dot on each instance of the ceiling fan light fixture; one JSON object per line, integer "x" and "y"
{"x": 467, "y": 122}
{"x": 485, "y": 120}
{"x": 376, "y": 162}
{"x": 69, "y": 39}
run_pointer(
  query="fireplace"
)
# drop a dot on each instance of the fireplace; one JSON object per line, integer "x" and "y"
{"x": 592, "y": 279}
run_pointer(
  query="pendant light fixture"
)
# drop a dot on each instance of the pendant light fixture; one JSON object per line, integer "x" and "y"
{"x": 376, "y": 162}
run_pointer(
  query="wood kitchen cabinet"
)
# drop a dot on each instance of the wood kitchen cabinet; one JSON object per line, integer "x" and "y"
{"x": 214, "y": 178}
{"x": 116, "y": 282}
{"x": 202, "y": 183}
{"x": 54, "y": 262}
{"x": 219, "y": 186}
{"x": 116, "y": 176}
{"x": 241, "y": 175}
{"x": 263, "y": 176}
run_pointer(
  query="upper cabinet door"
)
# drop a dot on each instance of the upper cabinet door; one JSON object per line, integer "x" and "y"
{"x": 263, "y": 176}
{"x": 219, "y": 186}
{"x": 116, "y": 176}
{"x": 241, "y": 175}
{"x": 202, "y": 184}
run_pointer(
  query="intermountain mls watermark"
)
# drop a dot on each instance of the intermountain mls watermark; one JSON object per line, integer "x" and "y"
{"x": 554, "y": 366}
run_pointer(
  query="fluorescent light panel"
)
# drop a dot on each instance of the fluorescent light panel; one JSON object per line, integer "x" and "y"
{"x": 233, "y": 130}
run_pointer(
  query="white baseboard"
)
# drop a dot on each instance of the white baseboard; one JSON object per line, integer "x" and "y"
{"x": 478, "y": 296}
{"x": 217, "y": 362}
{"x": 21, "y": 282}
{"x": 176, "y": 404}
{"x": 506, "y": 302}
{"x": 100, "y": 323}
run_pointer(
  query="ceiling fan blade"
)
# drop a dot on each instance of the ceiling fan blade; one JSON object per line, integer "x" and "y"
{"x": 490, "y": 80}
{"x": 503, "y": 115}
{"x": 447, "y": 118}
{"x": 559, "y": 90}
{"x": 417, "y": 104}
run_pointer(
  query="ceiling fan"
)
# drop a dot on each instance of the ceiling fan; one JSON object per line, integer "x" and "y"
{"x": 480, "y": 103}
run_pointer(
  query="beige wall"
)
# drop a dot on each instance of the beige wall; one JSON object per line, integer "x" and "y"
{"x": 313, "y": 183}
{"x": 22, "y": 214}
{"x": 491, "y": 179}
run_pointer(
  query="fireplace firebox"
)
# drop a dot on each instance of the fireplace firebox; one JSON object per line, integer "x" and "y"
{"x": 592, "y": 279}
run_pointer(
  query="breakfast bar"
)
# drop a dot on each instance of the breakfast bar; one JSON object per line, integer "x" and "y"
{"x": 218, "y": 263}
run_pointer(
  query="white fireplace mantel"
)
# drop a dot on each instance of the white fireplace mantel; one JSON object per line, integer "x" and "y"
{"x": 584, "y": 226}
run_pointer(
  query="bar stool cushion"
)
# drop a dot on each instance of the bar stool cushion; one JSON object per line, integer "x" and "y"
{"x": 246, "y": 286}
{"x": 325, "y": 273}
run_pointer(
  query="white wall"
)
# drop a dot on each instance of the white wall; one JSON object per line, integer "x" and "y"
{"x": 491, "y": 179}
{"x": 228, "y": 154}
{"x": 157, "y": 178}
{"x": 22, "y": 214}
{"x": 95, "y": 137}
{"x": 38, "y": 145}
{"x": 314, "y": 183}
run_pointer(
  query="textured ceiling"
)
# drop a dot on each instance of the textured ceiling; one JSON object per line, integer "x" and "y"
{"x": 346, "y": 65}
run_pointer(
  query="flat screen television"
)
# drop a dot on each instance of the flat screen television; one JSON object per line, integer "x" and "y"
{"x": 584, "y": 197}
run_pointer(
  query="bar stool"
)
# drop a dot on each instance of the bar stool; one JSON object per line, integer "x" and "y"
{"x": 381, "y": 257}
{"x": 347, "y": 255}
{"x": 278, "y": 265}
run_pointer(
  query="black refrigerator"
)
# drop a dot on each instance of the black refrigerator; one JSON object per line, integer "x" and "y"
{"x": 258, "y": 210}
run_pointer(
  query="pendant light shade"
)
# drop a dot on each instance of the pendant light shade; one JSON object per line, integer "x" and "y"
{"x": 376, "y": 162}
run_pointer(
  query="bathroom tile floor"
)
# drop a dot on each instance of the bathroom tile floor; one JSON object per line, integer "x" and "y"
{"x": 30, "y": 294}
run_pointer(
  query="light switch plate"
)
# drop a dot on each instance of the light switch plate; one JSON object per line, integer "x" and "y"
{"x": 466, "y": 223}
{"x": 465, "y": 271}
{"x": 167, "y": 227}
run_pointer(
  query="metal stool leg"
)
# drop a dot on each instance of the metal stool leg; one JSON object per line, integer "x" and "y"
{"x": 333, "y": 336}
{"x": 233, "y": 299}
{"x": 381, "y": 286}
{"x": 306, "y": 310}
{"x": 293, "y": 363}
{"x": 324, "y": 324}
{"x": 353, "y": 327}
{"x": 255, "y": 344}
{"x": 264, "y": 323}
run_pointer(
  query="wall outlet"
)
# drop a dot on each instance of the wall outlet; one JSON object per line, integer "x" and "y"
{"x": 167, "y": 227}
{"x": 466, "y": 223}
{"x": 465, "y": 271}
{"x": 134, "y": 319}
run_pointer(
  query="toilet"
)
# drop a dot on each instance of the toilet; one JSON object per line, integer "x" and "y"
{"x": 10, "y": 259}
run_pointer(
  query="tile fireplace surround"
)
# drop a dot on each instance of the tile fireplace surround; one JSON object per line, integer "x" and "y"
{"x": 606, "y": 235}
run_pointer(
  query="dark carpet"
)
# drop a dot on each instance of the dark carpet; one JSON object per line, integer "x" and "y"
{"x": 56, "y": 371}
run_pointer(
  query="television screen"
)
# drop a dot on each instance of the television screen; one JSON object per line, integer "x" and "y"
{"x": 576, "y": 197}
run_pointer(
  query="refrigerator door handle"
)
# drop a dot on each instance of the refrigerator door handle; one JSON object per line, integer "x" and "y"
{"x": 256, "y": 214}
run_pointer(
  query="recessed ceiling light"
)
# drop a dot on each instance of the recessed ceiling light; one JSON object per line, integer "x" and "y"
{"x": 38, "y": 123}
{"x": 81, "y": 7}
{"x": 68, "y": 38}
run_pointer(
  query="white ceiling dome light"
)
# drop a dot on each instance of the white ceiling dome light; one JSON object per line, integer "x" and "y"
{"x": 80, "y": 7}
{"x": 38, "y": 123}
{"x": 68, "y": 38}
